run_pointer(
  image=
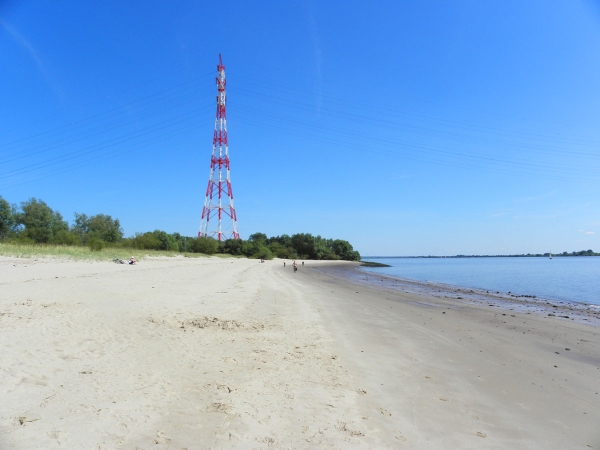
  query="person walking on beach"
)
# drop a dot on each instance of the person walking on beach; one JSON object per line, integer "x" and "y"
{"x": 284, "y": 263}
{"x": 302, "y": 263}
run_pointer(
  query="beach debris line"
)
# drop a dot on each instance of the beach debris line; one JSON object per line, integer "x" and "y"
{"x": 207, "y": 322}
{"x": 214, "y": 322}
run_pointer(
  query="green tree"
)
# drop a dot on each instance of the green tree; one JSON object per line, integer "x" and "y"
{"x": 40, "y": 222}
{"x": 249, "y": 248}
{"x": 6, "y": 218}
{"x": 184, "y": 243}
{"x": 206, "y": 245}
{"x": 100, "y": 225}
{"x": 231, "y": 246}
{"x": 344, "y": 250}
{"x": 167, "y": 241}
{"x": 284, "y": 240}
{"x": 259, "y": 238}
{"x": 304, "y": 245}
{"x": 80, "y": 225}
{"x": 262, "y": 252}
{"x": 279, "y": 250}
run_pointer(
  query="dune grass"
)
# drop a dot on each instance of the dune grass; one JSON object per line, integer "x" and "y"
{"x": 84, "y": 253}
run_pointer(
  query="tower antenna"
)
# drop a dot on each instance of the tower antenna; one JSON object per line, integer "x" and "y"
{"x": 218, "y": 215}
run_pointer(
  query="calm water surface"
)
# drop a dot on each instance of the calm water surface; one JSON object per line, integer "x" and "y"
{"x": 561, "y": 278}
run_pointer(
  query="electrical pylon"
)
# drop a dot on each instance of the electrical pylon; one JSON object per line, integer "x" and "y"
{"x": 218, "y": 215}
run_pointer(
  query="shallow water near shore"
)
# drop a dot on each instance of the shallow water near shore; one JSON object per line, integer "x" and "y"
{"x": 573, "y": 279}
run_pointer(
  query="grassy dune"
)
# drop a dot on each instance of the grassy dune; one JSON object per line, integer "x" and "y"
{"x": 84, "y": 253}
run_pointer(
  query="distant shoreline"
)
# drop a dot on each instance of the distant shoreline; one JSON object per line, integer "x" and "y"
{"x": 546, "y": 255}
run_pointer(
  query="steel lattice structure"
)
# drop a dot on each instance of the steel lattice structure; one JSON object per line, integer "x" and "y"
{"x": 218, "y": 215}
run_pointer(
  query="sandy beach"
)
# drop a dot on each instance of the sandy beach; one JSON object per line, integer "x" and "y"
{"x": 202, "y": 353}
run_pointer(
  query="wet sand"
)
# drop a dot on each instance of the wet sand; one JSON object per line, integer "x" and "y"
{"x": 575, "y": 311}
{"x": 476, "y": 372}
{"x": 231, "y": 353}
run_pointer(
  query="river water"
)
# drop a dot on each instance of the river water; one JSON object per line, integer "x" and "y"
{"x": 574, "y": 278}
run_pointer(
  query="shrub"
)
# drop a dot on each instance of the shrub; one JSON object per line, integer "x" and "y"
{"x": 206, "y": 245}
{"x": 22, "y": 239}
{"x": 146, "y": 241}
{"x": 231, "y": 246}
{"x": 167, "y": 241}
{"x": 95, "y": 244}
{"x": 263, "y": 253}
{"x": 64, "y": 237}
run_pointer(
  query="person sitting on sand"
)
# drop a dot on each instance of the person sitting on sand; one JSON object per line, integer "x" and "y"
{"x": 132, "y": 261}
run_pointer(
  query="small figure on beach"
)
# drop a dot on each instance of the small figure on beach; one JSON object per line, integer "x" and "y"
{"x": 295, "y": 266}
{"x": 302, "y": 263}
{"x": 284, "y": 263}
{"x": 132, "y": 261}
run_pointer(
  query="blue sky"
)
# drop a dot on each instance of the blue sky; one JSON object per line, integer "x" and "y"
{"x": 407, "y": 128}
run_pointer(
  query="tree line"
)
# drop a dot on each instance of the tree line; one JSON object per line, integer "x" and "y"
{"x": 34, "y": 222}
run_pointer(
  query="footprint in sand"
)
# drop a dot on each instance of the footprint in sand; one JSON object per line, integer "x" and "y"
{"x": 162, "y": 438}
{"x": 267, "y": 440}
{"x": 361, "y": 391}
{"x": 218, "y": 407}
{"x": 385, "y": 412}
{"x": 341, "y": 426}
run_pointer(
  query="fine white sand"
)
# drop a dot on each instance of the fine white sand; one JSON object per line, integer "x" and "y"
{"x": 231, "y": 353}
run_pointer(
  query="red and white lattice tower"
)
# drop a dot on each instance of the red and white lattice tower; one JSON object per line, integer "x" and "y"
{"x": 218, "y": 215}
